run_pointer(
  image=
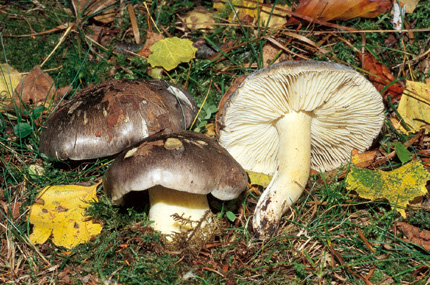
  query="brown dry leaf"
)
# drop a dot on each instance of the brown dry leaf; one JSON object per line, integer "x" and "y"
{"x": 270, "y": 52}
{"x": 151, "y": 38}
{"x": 381, "y": 76}
{"x": 199, "y": 19}
{"x": 12, "y": 209}
{"x": 37, "y": 88}
{"x": 410, "y": 5}
{"x": 329, "y": 10}
{"x": 363, "y": 160}
{"x": 104, "y": 11}
{"x": 414, "y": 235}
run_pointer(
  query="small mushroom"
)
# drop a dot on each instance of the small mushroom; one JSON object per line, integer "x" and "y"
{"x": 105, "y": 119}
{"x": 288, "y": 118}
{"x": 178, "y": 171}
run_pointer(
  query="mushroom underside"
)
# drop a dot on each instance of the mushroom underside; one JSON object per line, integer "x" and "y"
{"x": 293, "y": 116}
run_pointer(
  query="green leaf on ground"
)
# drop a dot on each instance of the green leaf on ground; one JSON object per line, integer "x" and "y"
{"x": 402, "y": 152}
{"x": 398, "y": 186}
{"x": 22, "y": 130}
{"x": 169, "y": 53}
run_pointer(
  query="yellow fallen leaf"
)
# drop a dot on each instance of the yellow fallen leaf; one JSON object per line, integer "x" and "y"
{"x": 249, "y": 9}
{"x": 260, "y": 179}
{"x": 199, "y": 18}
{"x": 414, "y": 105}
{"x": 398, "y": 186}
{"x": 242, "y": 8}
{"x": 60, "y": 211}
{"x": 169, "y": 53}
{"x": 9, "y": 80}
{"x": 278, "y": 17}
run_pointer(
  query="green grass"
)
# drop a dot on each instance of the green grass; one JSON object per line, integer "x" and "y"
{"x": 331, "y": 235}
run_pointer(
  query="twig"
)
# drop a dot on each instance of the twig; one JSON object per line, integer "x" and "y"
{"x": 63, "y": 37}
{"x": 133, "y": 23}
{"x": 279, "y": 45}
{"x": 370, "y": 31}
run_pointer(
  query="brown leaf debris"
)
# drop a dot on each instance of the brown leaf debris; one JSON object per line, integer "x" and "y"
{"x": 414, "y": 235}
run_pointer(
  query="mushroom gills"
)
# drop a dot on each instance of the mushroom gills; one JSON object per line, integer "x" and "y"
{"x": 166, "y": 202}
{"x": 291, "y": 176}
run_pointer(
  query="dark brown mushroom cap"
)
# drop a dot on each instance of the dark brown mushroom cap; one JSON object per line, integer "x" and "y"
{"x": 186, "y": 161}
{"x": 103, "y": 120}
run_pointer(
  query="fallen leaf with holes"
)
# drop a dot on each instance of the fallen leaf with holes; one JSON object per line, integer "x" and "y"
{"x": 60, "y": 211}
{"x": 398, "y": 186}
{"x": 169, "y": 53}
{"x": 199, "y": 19}
{"x": 38, "y": 89}
{"x": 330, "y": 10}
{"x": 9, "y": 79}
{"x": 381, "y": 76}
{"x": 414, "y": 106}
{"x": 414, "y": 235}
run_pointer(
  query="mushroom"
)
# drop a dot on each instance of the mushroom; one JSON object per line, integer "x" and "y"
{"x": 293, "y": 116}
{"x": 105, "y": 119}
{"x": 178, "y": 171}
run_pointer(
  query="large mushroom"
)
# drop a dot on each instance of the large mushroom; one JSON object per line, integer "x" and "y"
{"x": 178, "y": 171}
{"x": 290, "y": 117}
{"x": 104, "y": 119}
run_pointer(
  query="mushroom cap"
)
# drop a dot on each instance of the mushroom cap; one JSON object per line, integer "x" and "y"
{"x": 186, "y": 161}
{"x": 346, "y": 110}
{"x": 104, "y": 119}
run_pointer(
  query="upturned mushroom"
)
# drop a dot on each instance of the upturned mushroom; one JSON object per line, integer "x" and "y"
{"x": 104, "y": 119}
{"x": 290, "y": 117}
{"x": 178, "y": 171}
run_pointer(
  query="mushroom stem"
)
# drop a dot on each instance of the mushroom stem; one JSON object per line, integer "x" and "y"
{"x": 165, "y": 202}
{"x": 292, "y": 174}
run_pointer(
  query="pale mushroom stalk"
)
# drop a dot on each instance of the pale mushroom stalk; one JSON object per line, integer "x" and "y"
{"x": 166, "y": 202}
{"x": 292, "y": 174}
